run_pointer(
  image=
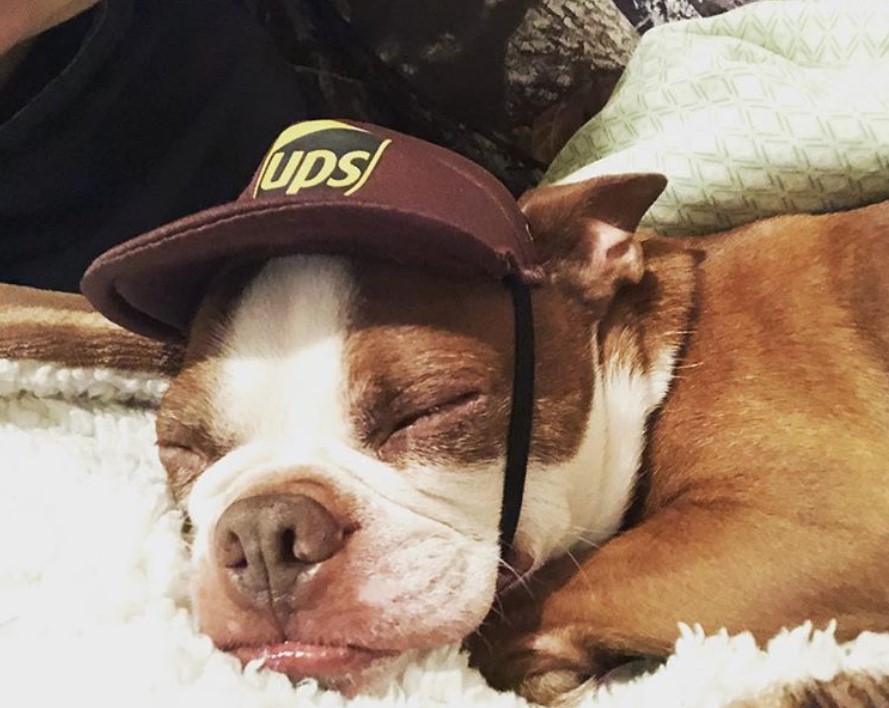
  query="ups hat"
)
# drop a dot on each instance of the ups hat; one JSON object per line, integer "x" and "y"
{"x": 324, "y": 187}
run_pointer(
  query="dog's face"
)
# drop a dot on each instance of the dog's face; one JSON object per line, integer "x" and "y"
{"x": 337, "y": 437}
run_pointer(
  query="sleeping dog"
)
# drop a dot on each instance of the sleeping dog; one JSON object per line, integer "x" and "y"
{"x": 710, "y": 439}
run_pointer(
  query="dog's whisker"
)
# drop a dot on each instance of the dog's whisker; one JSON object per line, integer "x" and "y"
{"x": 583, "y": 540}
{"x": 524, "y": 583}
{"x": 520, "y": 578}
{"x": 580, "y": 568}
{"x": 487, "y": 642}
{"x": 498, "y": 611}
{"x": 506, "y": 564}
{"x": 588, "y": 545}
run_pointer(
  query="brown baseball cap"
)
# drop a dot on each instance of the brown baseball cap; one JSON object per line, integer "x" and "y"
{"x": 325, "y": 187}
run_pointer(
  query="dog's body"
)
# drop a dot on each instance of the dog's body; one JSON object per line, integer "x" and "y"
{"x": 765, "y": 499}
{"x": 337, "y": 435}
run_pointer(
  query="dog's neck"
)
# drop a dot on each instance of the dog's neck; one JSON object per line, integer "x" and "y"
{"x": 648, "y": 324}
{"x": 638, "y": 346}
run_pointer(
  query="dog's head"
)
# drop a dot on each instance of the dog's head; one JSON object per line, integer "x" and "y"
{"x": 337, "y": 437}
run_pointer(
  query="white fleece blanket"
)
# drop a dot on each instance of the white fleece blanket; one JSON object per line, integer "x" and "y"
{"x": 93, "y": 599}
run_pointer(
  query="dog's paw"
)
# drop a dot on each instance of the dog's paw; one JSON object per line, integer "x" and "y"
{"x": 560, "y": 687}
{"x": 557, "y": 667}
{"x": 544, "y": 667}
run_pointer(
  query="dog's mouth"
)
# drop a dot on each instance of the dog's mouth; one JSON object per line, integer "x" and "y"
{"x": 299, "y": 660}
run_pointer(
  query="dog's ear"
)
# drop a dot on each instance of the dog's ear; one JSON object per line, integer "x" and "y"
{"x": 585, "y": 232}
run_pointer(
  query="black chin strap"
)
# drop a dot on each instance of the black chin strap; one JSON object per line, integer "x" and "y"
{"x": 518, "y": 441}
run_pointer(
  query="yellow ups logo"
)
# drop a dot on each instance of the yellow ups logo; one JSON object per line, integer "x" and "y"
{"x": 320, "y": 153}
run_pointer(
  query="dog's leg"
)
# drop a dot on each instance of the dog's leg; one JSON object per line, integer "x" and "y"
{"x": 718, "y": 565}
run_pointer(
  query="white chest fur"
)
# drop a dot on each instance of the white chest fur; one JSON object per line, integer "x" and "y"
{"x": 582, "y": 502}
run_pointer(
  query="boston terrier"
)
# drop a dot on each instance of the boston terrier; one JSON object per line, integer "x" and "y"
{"x": 708, "y": 438}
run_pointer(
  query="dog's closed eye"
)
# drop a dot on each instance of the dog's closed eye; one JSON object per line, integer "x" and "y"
{"x": 426, "y": 425}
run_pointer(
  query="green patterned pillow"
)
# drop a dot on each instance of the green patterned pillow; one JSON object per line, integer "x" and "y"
{"x": 772, "y": 108}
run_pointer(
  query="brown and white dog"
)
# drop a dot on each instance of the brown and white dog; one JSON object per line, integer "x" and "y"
{"x": 711, "y": 445}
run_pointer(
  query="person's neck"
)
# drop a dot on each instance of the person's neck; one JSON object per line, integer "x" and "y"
{"x": 42, "y": 17}
{"x": 11, "y": 59}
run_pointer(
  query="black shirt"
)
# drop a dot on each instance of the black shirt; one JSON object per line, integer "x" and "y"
{"x": 129, "y": 116}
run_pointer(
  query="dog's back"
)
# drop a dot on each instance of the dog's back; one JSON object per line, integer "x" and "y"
{"x": 861, "y": 277}
{"x": 781, "y": 401}
{"x": 811, "y": 292}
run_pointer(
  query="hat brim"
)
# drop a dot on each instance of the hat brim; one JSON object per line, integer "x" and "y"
{"x": 153, "y": 284}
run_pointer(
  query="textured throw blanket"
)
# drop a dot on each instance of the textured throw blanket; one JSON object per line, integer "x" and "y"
{"x": 94, "y": 603}
{"x": 771, "y": 108}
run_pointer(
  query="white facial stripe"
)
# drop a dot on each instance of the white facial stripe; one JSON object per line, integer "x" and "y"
{"x": 281, "y": 383}
{"x": 284, "y": 372}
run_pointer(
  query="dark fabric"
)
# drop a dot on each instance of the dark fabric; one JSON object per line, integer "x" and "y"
{"x": 164, "y": 110}
{"x": 324, "y": 187}
{"x": 142, "y": 111}
{"x": 342, "y": 60}
{"x": 646, "y": 14}
{"x": 49, "y": 54}
{"x": 522, "y": 74}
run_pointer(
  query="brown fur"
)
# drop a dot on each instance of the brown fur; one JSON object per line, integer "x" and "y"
{"x": 446, "y": 339}
{"x": 763, "y": 497}
{"x": 768, "y": 465}
{"x": 396, "y": 360}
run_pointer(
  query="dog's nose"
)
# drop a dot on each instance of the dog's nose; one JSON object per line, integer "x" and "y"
{"x": 264, "y": 543}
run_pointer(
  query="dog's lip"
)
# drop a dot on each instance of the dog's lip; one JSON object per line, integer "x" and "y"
{"x": 304, "y": 660}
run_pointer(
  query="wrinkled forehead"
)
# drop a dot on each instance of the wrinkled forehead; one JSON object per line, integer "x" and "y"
{"x": 405, "y": 324}
{"x": 298, "y": 300}
{"x": 314, "y": 334}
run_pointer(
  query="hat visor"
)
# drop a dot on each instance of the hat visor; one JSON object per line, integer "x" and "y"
{"x": 153, "y": 284}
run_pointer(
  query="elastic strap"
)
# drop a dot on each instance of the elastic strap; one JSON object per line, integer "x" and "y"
{"x": 521, "y": 415}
